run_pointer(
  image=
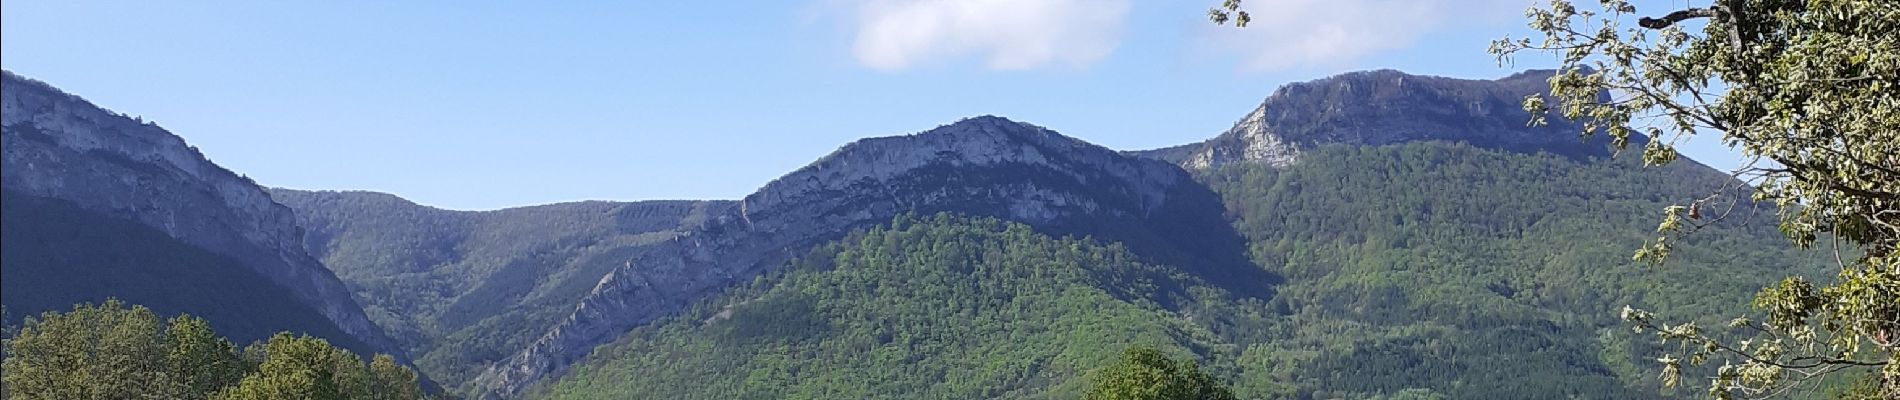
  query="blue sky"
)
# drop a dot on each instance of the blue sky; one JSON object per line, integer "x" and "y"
{"x": 482, "y": 105}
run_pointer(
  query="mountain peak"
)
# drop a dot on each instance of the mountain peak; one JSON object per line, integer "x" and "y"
{"x": 983, "y": 166}
{"x": 979, "y": 141}
{"x": 1382, "y": 107}
{"x": 985, "y": 121}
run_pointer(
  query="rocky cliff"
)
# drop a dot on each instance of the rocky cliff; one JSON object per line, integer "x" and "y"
{"x": 59, "y": 146}
{"x": 1387, "y": 107}
{"x": 980, "y": 166}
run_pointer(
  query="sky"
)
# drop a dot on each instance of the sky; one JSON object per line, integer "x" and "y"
{"x": 487, "y": 104}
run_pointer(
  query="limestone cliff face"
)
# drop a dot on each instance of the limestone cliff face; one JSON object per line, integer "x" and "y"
{"x": 982, "y": 166}
{"x": 1385, "y": 107}
{"x": 63, "y": 147}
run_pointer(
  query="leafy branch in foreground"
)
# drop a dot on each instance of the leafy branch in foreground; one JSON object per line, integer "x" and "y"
{"x": 1229, "y": 10}
{"x": 1806, "y": 90}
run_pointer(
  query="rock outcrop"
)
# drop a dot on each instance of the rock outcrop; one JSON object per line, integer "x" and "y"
{"x": 980, "y": 166}
{"x": 60, "y": 146}
{"x": 1386, "y": 107}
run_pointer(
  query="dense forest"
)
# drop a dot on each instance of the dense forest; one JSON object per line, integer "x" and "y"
{"x": 1421, "y": 270}
{"x": 119, "y": 351}
{"x": 1478, "y": 273}
{"x": 926, "y": 307}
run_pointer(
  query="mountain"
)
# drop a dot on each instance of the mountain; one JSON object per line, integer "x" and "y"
{"x": 1367, "y": 235}
{"x": 934, "y": 306}
{"x": 99, "y": 204}
{"x": 1374, "y": 108}
{"x": 1400, "y": 236}
{"x": 982, "y": 166}
{"x": 463, "y": 289}
{"x": 1434, "y": 269}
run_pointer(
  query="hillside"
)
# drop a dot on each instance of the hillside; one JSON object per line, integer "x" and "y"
{"x": 142, "y": 212}
{"x": 981, "y": 166}
{"x": 1429, "y": 268}
{"x": 57, "y": 255}
{"x": 1476, "y": 273}
{"x": 1462, "y": 265}
{"x": 1368, "y": 235}
{"x": 462, "y": 289}
{"x": 921, "y": 307}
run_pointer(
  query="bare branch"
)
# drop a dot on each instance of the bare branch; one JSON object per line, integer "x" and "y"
{"x": 1674, "y": 17}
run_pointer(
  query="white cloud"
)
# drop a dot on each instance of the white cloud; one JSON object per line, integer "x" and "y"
{"x": 1006, "y": 34}
{"x": 1301, "y": 33}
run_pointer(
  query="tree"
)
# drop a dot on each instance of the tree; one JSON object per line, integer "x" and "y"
{"x": 1143, "y": 373}
{"x": 115, "y": 351}
{"x": 302, "y": 367}
{"x": 391, "y": 381}
{"x": 102, "y": 351}
{"x": 6, "y": 340}
{"x": 1807, "y": 89}
{"x": 199, "y": 361}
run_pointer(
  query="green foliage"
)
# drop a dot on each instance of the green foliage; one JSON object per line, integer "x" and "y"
{"x": 1424, "y": 266}
{"x": 1229, "y": 10}
{"x": 199, "y": 361}
{"x": 104, "y": 351}
{"x": 939, "y": 307}
{"x": 391, "y": 381}
{"x": 1807, "y": 90}
{"x": 463, "y": 289}
{"x": 1144, "y": 373}
{"x": 1410, "y": 271}
{"x": 112, "y": 351}
{"x": 303, "y": 368}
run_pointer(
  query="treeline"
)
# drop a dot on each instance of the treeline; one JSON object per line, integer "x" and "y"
{"x": 120, "y": 351}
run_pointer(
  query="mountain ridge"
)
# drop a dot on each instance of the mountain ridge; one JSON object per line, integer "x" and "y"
{"x": 982, "y": 165}
{"x": 1379, "y": 107}
{"x": 61, "y": 146}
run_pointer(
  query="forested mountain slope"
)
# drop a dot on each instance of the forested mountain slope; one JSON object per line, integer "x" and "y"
{"x": 462, "y": 289}
{"x": 1477, "y": 273}
{"x": 1368, "y": 235}
{"x": 56, "y": 254}
{"x": 983, "y": 166}
{"x": 1427, "y": 268}
{"x": 109, "y": 205}
{"x": 935, "y": 306}
{"x": 1459, "y": 265}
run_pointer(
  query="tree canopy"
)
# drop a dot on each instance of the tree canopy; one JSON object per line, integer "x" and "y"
{"x": 1805, "y": 89}
{"x": 116, "y": 351}
{"x": 1144, "y": 373}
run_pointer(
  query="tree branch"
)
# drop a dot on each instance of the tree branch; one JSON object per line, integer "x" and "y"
{"x": 1674, "y": 17}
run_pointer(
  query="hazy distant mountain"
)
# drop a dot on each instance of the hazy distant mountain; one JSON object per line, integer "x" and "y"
{"x": 100, "y": 205}
{"x": 463, "y": 289}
